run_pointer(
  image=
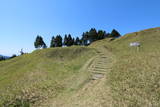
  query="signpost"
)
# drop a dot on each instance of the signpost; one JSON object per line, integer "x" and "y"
{"x": 135, "y": 44}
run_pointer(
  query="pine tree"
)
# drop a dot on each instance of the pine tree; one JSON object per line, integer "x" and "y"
{"x": 39, "y": 43}
{"x": 69, "y": 40}
{"x": 44, "y": 46}
{"x": 77, "y": 41}
{"x": 115, "y": 34}
{"x": 93, "y": 36}
{"x": 101, "y": 34}
{"x": 65, "y": 42}
{"x": 58, "y": 41}
{"x": 73, "y": 41}
{"x": 21, "y": 52}
{"x": 85, "y": 38}
{"x": 52, "y": 42}
{"x": 2, "y": 58}
{"x": 13, "y": 56}
{"x": 107, "y": 35}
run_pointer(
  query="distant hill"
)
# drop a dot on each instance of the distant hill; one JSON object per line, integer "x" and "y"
{"x": 63, "y": 77}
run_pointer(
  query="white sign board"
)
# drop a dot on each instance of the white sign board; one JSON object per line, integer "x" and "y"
{"x": 135, "y": 44}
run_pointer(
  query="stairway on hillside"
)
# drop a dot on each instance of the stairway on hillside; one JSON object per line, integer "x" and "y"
{"x": 98, "y": 68}
{"x": 95, "y": 92}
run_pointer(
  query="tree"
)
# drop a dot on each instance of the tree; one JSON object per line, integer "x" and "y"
{"x": 13, "y": 56}
{"x": 115, "y": 34}
{"x": 85, "y": 38}
{"x": 21, "y": 52}
{"x": 93, "y": 36}
{"x": 65, "y": 40}
{"x": 58, "y": 41}
{"x": 73, "y": 41}
{"x": 101, "y": 34}
{"x": 70, "y": 40}
{"x": 107, "y": 35}
{"x": 44, "y": 46}
{"x": 77, "y": 41}
{"x": 2, "y": 58}
{"x": 39, "y": 43}
{"x": 52, "y": 42}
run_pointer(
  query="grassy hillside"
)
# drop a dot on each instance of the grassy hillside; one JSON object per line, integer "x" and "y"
{"x": 34, "y": 78}
{"x": 61, "y": 77}
{"x": 135, "y": 77}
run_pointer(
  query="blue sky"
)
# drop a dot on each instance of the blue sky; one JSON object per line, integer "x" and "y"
{"x": 22, "y": 20}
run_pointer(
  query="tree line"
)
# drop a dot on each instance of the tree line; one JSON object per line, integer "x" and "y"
{"x": 2, "y": 58}
{"x": 57, "y": 41}
{"x": 86, "y": 39}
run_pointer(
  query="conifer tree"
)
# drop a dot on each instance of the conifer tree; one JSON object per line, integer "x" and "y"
{"x": 69, "y": 40}
{"x": 85, "y": 38}
{"x": 73, "y": 41}
{"x": 115, "y": 34}
{"x": 77, "y": 41}
{"x": 107, "y": 35}
{"x": 2, "y": 58}
{"x": 13, "y": 56}
{"x": 44, "y": 45}
{"x": 52, "y": 42}
{"x": 101, "y": 34}
{"x": 65, "y": 40}
{"x": 93, "y": 36}
{"x": 39, "y": 43}
{"x": 58, "y": 41}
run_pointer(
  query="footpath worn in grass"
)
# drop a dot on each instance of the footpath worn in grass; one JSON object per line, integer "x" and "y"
{"x": 94, "y": 92}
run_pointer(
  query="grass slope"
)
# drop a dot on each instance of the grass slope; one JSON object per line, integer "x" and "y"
{"x": 36, "y": 77}
{"x": 59, "y": 75}
{"x": 94, "y": 92}
{"x": 135, "y": 77}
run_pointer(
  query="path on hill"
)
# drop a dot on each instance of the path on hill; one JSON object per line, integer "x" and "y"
{"x": 96, "y": 92}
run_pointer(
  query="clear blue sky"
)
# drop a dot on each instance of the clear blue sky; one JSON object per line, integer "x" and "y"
{"x": 22, "y": 20}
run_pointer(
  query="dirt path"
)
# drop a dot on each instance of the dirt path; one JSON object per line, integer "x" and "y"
{"x": 96, "y": 92}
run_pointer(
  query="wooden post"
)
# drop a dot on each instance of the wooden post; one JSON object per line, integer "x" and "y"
{"x": 138, "y": 48}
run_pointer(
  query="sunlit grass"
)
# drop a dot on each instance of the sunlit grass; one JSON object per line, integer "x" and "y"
{"x": 133, "y": 80}
{"x": 135, "y": 77}
{"x": 42, "y": 74}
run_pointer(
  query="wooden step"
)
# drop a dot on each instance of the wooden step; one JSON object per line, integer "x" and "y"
{"x": 92, "y": 70}
{"x": 104, "y": 57}
{"x": 102, "y": 72}
{"x": 96, "y": 76}
{"x": 100, "y": 67}
{"x": 97, "y": 68}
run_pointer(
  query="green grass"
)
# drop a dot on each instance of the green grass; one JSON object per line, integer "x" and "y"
{"x": 135, "y": 77}
{"x": 43, "y": 74}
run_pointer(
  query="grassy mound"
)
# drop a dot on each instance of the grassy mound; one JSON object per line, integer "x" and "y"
{"x": 34, "y": 78}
